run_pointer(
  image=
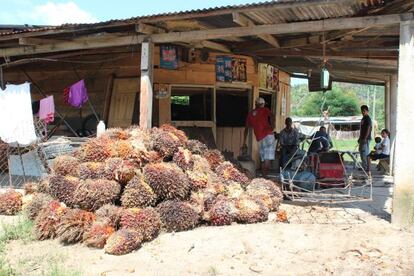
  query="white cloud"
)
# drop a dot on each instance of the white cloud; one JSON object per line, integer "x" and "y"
{"x": 60, "y": 13}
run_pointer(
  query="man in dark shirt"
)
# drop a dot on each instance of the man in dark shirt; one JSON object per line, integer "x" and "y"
{"x": 320, "y": 141}
{"x": 365, "y": 137}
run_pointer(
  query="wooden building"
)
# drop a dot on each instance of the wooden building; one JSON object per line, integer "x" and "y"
{"x": 364, "y": 41}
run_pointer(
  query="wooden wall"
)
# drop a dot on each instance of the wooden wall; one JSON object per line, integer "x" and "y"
{"x": 99, "y": 69}
{"x": 53, "y": 77}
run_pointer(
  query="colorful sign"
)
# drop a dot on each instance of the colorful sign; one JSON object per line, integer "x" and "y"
{"x": 268, "y": 77}
{"x": 230, "y": 69}
{"x": 161, "y": 91}
{"x": 168, "y": 57}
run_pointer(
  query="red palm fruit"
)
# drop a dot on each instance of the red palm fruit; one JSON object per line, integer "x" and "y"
{"x": 123, "y": 241}
{"x": 73, "y": 224}
{"x": 11, "y": 202}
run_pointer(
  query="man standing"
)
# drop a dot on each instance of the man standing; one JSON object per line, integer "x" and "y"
{"x": 262, "y": 121}
{"x": 289, "y": 142}
{"x": 365, "y": 138}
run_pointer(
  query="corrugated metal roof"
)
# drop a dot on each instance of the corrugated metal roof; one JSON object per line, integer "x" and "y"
{"x": 269, "y": 14}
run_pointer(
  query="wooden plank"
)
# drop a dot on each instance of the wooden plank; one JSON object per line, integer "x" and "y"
{"x": 108, "y": 97}
{"x": 242, "y": 20}
{"x": 38, "y": 41}
{"x": 148, "y": 29}
{"x": 282, "y": 28}
{"x": 213, "y": 45}
{"x": 122, "y": 102}
{"x": 145, "y": 119}
{"x": 227, "y": 139}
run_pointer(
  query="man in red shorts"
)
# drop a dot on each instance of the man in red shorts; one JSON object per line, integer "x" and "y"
{"x": 262, "y": 121}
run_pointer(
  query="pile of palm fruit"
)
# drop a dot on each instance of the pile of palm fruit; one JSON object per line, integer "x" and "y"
{"x": 123, "y": 188}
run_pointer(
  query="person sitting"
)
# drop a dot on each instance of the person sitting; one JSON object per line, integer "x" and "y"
{"x": 384, "y": 147}
{"x": 289, "y": 142}
{"x": 321, "y": 142}
{"x": 377, "y": 147}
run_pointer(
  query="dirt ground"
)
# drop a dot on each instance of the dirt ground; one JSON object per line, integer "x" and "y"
{"x": 354, "y": 243}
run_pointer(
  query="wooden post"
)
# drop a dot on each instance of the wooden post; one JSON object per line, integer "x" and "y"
{"x": 393, "y": 117}
{"x": 403, "y": 203}
{"x": 387, "y": 98}
{"x": 145, "y": 117}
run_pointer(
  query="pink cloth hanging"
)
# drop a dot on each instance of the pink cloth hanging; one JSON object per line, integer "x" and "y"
{"x": 78, "y": 95}
{"x": 47, "y": 109}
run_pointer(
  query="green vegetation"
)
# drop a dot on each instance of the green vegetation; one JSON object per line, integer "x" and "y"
{"x": 344, "y": 100}
{"x": 22, "y": 230}
{"x": 57, "y": 270}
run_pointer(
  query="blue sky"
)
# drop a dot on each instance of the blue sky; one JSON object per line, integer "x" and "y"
{"x": 54, "y": 12}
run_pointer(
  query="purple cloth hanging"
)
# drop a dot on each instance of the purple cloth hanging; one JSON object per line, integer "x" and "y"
{"x": 78, "y": 95}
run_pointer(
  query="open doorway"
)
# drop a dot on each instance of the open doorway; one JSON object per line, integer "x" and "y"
{"x": 232, "y": 107}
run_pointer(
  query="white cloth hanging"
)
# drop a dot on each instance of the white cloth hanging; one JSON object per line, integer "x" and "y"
{"x": 16, "y": 118}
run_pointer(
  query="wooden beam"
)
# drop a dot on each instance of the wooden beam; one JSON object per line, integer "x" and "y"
{"x": 103, "y": 41}
{"x": 284, "y": 28}
{"x": 243, "y": 21}
{"x": 146, "y": 95}
{"x": 148, "y": 29}
{"x": 26, "y": 41}
{"x": 212, "y": 45}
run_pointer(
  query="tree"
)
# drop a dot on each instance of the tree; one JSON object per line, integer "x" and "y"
{"x": 339, "y": 102}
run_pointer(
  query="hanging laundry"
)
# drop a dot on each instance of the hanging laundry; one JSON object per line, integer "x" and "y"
{"x": 78, "y": 95}
{"x": 16, "y": 115}
{"x": 47, "y": 110}
{"x": 35, "y": 107}
{"x": 66, "y": 92}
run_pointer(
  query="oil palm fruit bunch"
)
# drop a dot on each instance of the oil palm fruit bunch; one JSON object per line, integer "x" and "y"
{"x": 44, "y": 185}
{"x": 97, "y": 235}
{"x": 38, "y": 202}
{"x": 65, "y": 165}
{"x": 123, "y": 241}
{"x": 233, "y": 189}
{"x": 196, "y": 147}
{"x": 30, "y": 188}
{"x": 167, "y": 180}
{"x": 48, "y": 220}
{"x": 214, "y": 158}
{"x": 63, "y": 188}
{"x": 183, "y": 158}
{"x": 110, "y": 214}
{"x": 177, "y": 215}
{"x": 178, "y": 133}
{"x": 91, "y": 170}
{"x": 91, "y": 194}
{"x": 73, "y": 224}
{"x": 11, "y": 202}
{"x": 117, "y": 133}
{"x": 147, "y": 221}
{"x": 229, "y": 172}
{"x": 166, "y": 143}
{"x": 222, "y": 212}
{"x": 267, "y": 191}
{"x": 251, "y": 210}
{"x": 122, "y": 149}
{"x": 119, "y": 170}
{"x": 96, "y": 149}
{"x": 138, "y": 193}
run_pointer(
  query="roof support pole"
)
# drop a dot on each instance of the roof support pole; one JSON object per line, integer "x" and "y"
{"x": 403, "y": 203}
{"x": 393, "y": 116}
{"x": 146, "y": 98}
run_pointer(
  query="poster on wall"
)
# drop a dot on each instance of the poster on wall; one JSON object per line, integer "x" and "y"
{"x": 283, "y": 111}
{"x": 268, "y": 77}
{"x": 161, "y": 91}
{"x": 239, "y": 69}
{"x": 168, "y": 57}
{"x": 230, "y": 69}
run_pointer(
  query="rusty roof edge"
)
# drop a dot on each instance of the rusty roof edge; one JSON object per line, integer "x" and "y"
{"x": 188, "y": 14}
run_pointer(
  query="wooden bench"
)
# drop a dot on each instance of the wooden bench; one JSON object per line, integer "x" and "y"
{"x": 384, "y": 165}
